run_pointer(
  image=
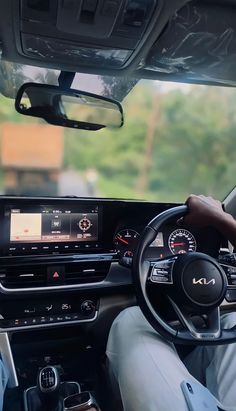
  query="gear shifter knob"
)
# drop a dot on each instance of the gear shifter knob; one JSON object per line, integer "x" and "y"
{"x": 49, "y": 388}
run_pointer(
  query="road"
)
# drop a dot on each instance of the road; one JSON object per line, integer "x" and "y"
{"x": 72, "y": 184}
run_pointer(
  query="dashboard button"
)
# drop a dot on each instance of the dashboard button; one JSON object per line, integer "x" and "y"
{"x": 55, "y": 275}
{"x": 16, "y": 323}
{"x": 87, "y": 307}
{"x": 26, "y": 322}
{"x": 67, "y": 317}
{"x": 60, "y": 318}
{"x": 34, "y": 248}
{"x": 47, "y": 308}
{"x": 34, "y": 321}
{"x": 75, "y": 317}
{"x": 12, "y": 249}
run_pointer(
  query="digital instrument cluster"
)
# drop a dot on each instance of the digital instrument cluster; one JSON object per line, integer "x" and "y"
{"x": 168, "y": 241}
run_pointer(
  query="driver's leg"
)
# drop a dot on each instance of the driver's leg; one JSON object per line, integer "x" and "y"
{"x": 215, "y": 366}
{"x": 147, "y": 369}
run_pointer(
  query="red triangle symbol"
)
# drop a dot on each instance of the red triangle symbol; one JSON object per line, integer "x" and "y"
{"x": 56, "y": 275}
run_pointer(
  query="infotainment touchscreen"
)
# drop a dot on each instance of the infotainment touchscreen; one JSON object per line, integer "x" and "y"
{"x": 40, "y": 226}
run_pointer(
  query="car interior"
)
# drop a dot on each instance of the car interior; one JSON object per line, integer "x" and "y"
{"x": 71, "y": 264}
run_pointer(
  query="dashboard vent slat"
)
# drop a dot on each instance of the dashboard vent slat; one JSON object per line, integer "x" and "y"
{"x": 24, "y": 277}
{"x": 88, "y": 272}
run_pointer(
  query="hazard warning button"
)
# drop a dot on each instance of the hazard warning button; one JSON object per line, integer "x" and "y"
{"x": 56, "y": 275}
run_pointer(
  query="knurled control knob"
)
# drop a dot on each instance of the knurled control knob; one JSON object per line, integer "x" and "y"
{"x": 87, "y": 307}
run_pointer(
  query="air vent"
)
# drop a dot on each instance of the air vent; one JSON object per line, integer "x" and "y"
{"x": 89, "y": 272}
{"x": 34, "y": 276}
{"x": 24, "y": 277}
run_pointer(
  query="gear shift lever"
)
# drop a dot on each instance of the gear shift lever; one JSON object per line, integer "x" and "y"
{"x": 49, "y": 393}
{"x": 48, "y": 384}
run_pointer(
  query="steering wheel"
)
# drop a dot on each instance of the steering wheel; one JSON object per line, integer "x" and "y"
{"x": 194, "y": 283}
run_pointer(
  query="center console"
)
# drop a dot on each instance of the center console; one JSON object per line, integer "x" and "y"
{"x": 58, "y": 267}
{"x": 51, "y": 248}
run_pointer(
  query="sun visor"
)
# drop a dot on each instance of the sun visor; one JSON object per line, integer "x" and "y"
{"x": 199, "y": 44}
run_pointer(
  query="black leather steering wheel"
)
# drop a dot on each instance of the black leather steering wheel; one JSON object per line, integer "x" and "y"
{"x": 194, "y": 283}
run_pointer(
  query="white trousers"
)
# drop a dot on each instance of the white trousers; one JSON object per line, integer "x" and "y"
{"x": 147, "y": 371}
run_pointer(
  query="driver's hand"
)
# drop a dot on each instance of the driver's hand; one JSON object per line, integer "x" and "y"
{"x": 203, "y": 211}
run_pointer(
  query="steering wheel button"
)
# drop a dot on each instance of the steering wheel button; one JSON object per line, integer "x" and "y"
{"x": 231, "y": 296}
{"x": 161, "y": 272}
{"x": 162, "y": 279}
{"x": 162, "y": 265}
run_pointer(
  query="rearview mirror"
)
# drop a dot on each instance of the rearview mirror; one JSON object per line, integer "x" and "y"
{"x": 69, "y": 108}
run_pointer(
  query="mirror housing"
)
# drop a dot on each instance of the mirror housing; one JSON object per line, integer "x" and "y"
{"x": 69, "y": 108}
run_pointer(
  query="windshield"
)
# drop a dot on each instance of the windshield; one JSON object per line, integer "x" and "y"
{"x": 177, "y": 139}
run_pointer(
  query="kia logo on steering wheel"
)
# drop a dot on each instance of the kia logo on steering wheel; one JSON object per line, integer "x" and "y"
{"x": 203, "y": 281}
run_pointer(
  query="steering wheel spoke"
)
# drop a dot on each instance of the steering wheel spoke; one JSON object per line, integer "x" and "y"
{"x": 161, "y": 271}
{"x": 211, "y": 328}
{"x": 230, "y": 272}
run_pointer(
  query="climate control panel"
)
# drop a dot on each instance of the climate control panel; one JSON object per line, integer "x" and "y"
{"x": 48, "y": 312}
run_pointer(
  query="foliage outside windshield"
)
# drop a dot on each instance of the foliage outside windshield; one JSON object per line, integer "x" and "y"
{"x": 177, "y": 139}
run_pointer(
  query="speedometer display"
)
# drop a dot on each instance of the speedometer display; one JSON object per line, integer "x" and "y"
{"x": 181, "y": 241}
{"x": 126, "y": 242}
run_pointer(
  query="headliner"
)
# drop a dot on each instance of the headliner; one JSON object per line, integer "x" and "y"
{"x": 188, "y": 41}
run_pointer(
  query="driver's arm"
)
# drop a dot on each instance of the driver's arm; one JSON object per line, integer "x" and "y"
{"x": 206, "y": 211}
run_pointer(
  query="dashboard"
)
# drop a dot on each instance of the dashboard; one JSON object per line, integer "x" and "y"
{"x": 59, "y": 255}
{"x": 49, "y": 227}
